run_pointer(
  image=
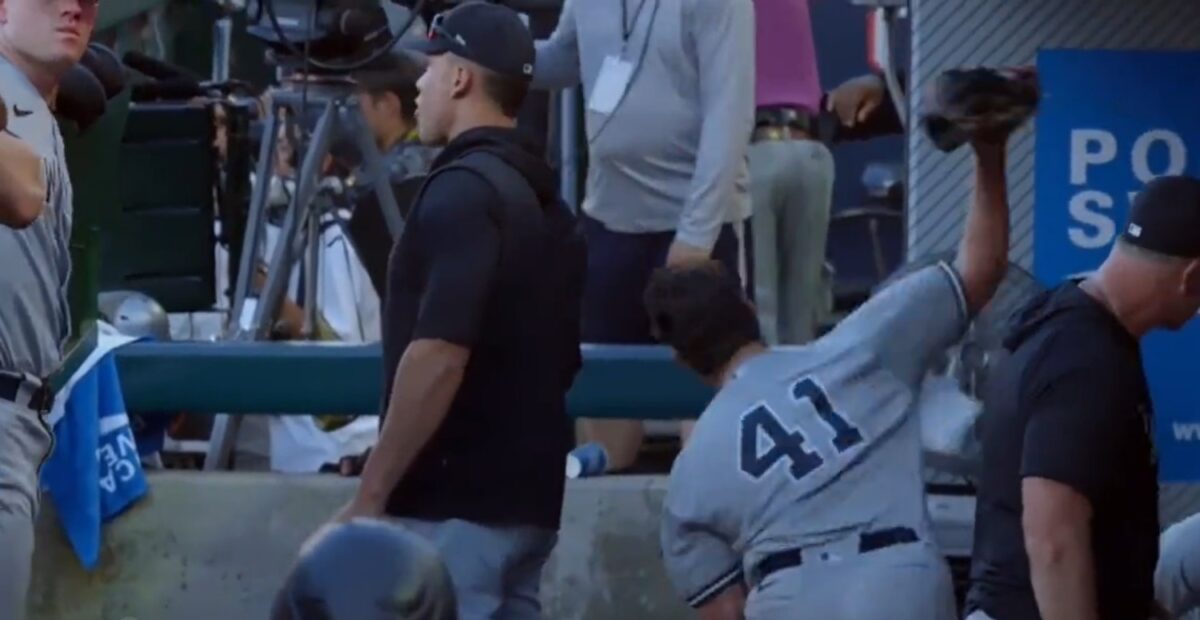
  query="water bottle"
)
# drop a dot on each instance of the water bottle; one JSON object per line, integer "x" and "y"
{"x": 590, "y": 459}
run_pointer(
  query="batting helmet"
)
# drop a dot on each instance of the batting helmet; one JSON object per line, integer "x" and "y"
{"x": 135, "y": 314}
{"x": 367, "y": 570}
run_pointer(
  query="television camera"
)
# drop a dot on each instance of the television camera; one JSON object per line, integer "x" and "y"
{"x": 316, "y": 46}
{"x": 330, "y": 36}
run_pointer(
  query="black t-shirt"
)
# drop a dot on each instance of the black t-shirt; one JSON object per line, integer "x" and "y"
{"x": 474, "y": 269}
{"x": 1070, "y": 405}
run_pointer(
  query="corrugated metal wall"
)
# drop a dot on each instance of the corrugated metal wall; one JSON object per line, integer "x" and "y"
{"x": 955, "y": 33}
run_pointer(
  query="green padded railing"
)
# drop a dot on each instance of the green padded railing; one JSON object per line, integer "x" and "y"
{"x": 640, "y": 382}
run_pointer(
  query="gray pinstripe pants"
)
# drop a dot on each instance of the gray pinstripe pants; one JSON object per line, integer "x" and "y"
{"x": 902, "y": 582}
{"x": 24, "y": 442}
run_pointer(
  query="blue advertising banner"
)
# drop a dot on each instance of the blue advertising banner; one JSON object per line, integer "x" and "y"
{"x": 1110, "y": 122}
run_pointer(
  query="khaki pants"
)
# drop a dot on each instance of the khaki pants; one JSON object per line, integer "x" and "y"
{"x": 791, "y": 184}
{"x": 25, "y": 442}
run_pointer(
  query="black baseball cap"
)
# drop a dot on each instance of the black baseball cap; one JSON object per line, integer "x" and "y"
{"x": 1165, "y": 217}
{"x": 367, "y": 569}
{"x": 490, "y": 35}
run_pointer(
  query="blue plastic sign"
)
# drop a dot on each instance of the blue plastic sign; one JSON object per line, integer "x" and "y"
{"x": 1110, "y": 122}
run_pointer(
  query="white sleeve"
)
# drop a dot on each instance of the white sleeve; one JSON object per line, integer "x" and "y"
{"x": 699, "y": 560}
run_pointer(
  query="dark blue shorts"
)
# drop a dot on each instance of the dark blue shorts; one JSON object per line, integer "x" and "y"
{"x": 618, "y": 270}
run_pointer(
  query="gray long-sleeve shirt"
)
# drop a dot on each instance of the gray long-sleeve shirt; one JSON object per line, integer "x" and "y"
{"x": 672, "y": 155}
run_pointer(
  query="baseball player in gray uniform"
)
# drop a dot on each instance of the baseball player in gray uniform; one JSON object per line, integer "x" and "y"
{"x": 39, "y": 41}
{"x": 803, "y": 480}
{"x": 1177, "y": 575}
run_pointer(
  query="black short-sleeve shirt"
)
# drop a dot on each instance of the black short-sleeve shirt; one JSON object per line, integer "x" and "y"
{"x": 1071, "y": 405}
{"x": 483, "y": 267}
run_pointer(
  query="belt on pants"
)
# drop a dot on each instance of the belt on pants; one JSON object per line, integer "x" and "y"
{"x": 772, "y": 133}
{"x": 867, "y": 542}
{"x": 26, "y": 391}
{"x": 783, "y": 123}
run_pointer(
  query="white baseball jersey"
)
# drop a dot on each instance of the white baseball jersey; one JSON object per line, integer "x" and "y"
{"x": 807, "y": 445}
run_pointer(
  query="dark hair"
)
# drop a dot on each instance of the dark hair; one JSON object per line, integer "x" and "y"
{"x": 395, "y": 74}
{"x": 701, "y": 311}
{"x": 508, "y": 92}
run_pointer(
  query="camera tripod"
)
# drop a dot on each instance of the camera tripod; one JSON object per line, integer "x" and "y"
{"x": 252, "y": 316}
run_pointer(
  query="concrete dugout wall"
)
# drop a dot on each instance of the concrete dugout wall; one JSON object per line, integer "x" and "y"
{"x": 215, "y": 546}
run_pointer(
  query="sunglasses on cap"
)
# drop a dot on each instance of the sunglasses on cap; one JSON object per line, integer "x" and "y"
{"x": 444, "y": 39}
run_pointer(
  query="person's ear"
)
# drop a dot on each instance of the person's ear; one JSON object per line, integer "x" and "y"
{"x": 392, "y": 104}
{"x": 462, "y": 82}
{"x": 1190, "y": 282}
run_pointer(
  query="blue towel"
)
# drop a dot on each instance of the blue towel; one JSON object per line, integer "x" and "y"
{"x": 94, "y": 473}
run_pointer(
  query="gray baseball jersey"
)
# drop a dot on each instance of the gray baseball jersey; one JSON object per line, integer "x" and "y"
{"x": 34, "y": 321}
{"x": 1177, "y": 576}
{"x": 808, "y": 445}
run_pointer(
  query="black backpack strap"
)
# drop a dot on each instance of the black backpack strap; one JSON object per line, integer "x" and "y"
{"x": 503, "y": 177}
{"x": 512, "y": 185}
{"x": 491, "y": 167}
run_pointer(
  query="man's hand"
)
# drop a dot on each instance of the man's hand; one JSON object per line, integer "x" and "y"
{"x": 729, "y": 605}
{"x": 684, "y": 254}
{"x": 358, "y": 507}
{"x": 856, "y": 99}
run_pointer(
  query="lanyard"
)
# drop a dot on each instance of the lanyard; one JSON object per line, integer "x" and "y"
{"x": 627, "y": 24}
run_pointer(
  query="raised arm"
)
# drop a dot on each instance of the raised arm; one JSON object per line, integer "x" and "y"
{"x": 983, "y": 252}
{"x": 918, "y": 317}
{"x": 723, "y": 34}
{"x": 557, "y": 64}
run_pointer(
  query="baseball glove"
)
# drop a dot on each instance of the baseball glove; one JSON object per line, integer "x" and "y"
{"x": 982, "y": 104}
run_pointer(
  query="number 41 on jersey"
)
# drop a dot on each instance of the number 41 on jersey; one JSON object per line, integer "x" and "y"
{"x": 790, "y": 445}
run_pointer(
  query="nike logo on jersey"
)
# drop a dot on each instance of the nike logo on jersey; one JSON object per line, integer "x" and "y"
{"x": 21, "y": 113}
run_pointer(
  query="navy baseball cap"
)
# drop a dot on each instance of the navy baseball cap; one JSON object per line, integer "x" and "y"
{"x": 368, "y": 569}
{"x": 1165, "y": 217}
{"x": 490, "y": 35}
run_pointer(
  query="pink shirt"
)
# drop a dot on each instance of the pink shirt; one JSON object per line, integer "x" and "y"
{"x": 786, "y": 55}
